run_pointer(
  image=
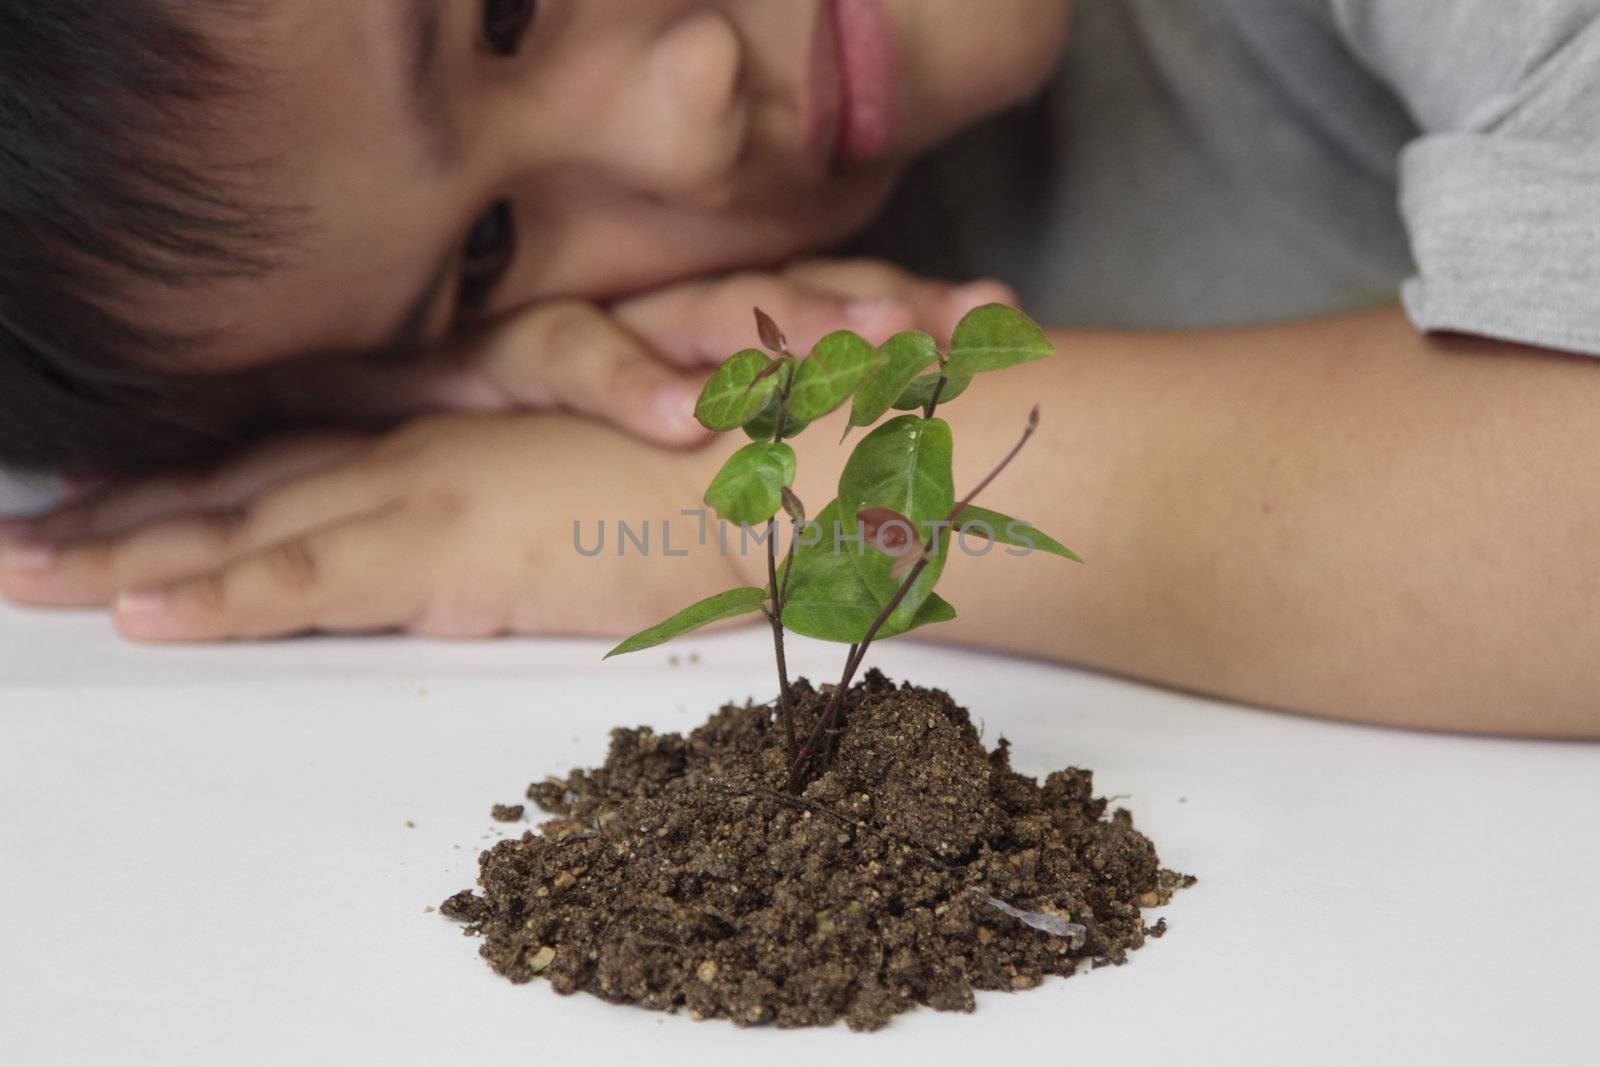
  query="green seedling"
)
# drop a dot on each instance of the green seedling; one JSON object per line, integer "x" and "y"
{"x": 864, "y": 568}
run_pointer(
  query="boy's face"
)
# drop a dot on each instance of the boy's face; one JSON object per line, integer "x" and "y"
{"x": 455, "y": 159}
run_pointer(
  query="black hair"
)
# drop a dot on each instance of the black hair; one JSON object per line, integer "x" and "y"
{"x": 105, "y": 109}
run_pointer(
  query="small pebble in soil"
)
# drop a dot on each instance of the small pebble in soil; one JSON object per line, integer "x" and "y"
{"x": 507, "y": 812}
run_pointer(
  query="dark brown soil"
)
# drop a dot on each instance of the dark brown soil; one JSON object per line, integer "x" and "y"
{"x": 918, "y": 868}
{"x": 506, "y": 812}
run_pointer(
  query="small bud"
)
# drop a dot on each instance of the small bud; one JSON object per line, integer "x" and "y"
{"x": 1033, "y": 419}
{"x": 889, "y": 532}
{"x": 771, "y": 337}
{"x": 768, "y": 371}
{"x": 792, "y": 505}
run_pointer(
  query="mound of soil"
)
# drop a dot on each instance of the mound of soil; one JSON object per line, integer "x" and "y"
{"x": 917, "y": 868}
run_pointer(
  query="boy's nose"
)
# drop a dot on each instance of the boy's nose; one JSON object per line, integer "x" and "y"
{"x": 679, "y": 122}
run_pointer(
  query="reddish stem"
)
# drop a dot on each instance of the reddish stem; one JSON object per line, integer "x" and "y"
{"x": 858, "y": 652}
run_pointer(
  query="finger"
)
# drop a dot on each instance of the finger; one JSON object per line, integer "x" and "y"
{"x": 972, "y": 295}
{"x": 937, "y": 306}
{"x": 565, "y": 354}
{"x": 865, "y": 276}
{"x": 574, "y": 355}
{"x": 349, "y": 577}
{"x": 91, "y": 573}
{"x": 704, "y": 322}
{"x": 119, "y": 509}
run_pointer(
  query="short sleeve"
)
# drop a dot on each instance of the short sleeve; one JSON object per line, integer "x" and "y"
{"x": 1500, "y": 192}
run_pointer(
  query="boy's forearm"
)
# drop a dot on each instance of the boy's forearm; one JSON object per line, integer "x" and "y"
{"x": 1338, "y": 517}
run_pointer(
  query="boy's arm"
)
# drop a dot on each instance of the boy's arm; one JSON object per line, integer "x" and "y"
{"x": 1340, "y": 517}
{"x": 637, "y": 364}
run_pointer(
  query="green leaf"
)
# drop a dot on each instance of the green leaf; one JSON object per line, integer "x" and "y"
{"x": 994, "y": 337}
{"x": 729, "y": 605}
{"x": 919, "y": 392}
{"x": 828, "y": 376}
{"x": 749, "y": 488}
{"x": 764, "y": 425}
{"x": 903, "y": 465}
{"x": 827, "y": 598}
{"x": 1003, "y": 529}
{"x": 733, "y": 396}
{"x": 935, "y": 609}
{"x": 903, "y": 357}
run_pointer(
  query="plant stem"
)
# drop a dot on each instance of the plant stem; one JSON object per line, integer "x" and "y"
{"x": 775, "y": 616}
{"x": 1033, "y": 424}
{"x": 788, "y": 562}
{"x": 852, "y": 664}
{"x": 858, "y": 652}
{"x": 785, "y": 711}
{"x": 938, "y": 391}
{"x": 783, "y": 405}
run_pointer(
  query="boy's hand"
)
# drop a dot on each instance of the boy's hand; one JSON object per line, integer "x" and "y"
{"x": 702, "y": 322}
{"x": 452, "y": 526}
{"x": 345, "y": 531}
{"x": 637, "y": 364}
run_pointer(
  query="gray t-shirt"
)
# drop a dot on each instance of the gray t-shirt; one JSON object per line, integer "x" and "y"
{"x": 1207, "y": 162}
{"x": 21, "y": 495}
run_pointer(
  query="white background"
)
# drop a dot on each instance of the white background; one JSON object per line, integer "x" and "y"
{"x": 204, "y": 859}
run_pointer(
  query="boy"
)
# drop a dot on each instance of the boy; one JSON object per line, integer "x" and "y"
{"x": 1365, "y": 514}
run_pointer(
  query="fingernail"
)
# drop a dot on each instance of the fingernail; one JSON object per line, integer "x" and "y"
{"x": 869, "y": 311}
{"x": 675, "y": 404}
{"x": 27, "y": 557}
{"x": 976, "y": 294}
{"x": 143, "y": 603}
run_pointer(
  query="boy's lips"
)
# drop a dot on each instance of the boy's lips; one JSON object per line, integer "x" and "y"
{"x": 870, "y": 58}
{"x": 855, "y": 69}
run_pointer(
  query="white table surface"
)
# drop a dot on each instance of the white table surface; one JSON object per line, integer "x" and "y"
{"x": 204, "y": 859}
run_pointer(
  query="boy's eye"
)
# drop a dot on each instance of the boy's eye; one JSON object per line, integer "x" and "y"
{"x": 506, "y": 22}
{"x": 486, "y": 255}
